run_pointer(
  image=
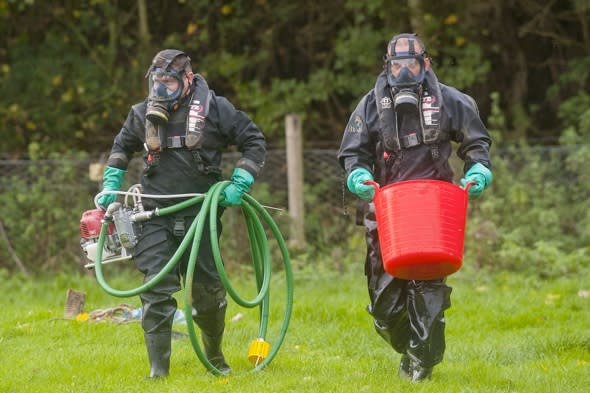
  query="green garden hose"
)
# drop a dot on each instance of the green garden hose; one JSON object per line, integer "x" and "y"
{"x": 260, "y": 256}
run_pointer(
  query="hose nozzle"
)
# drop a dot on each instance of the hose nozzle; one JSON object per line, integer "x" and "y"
{"x": 258, "y": 351}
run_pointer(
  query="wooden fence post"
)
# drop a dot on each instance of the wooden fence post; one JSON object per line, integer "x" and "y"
{"x": 294, "y": 144}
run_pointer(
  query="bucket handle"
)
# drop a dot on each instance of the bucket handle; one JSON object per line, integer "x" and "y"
{"x": 376, "y": 185}
{"x": 373, "y": 183}
{"x": 469, "y": 184}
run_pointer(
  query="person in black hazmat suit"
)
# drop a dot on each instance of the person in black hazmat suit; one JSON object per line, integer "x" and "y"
{"x": 401, "y": 130}
{"x": 182, "y": 128}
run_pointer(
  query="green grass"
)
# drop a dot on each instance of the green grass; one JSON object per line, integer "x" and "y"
{"x": 504, "y": 334}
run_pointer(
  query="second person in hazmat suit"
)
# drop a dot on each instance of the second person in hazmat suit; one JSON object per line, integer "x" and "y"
{"x": 402, "y": 130}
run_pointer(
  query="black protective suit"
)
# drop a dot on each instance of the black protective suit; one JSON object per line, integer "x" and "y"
{"x": 409, "y": 315}
{"x": 180, "y": 171}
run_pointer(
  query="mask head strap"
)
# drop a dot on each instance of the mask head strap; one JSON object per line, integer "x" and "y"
{"x": 165, "y": 59}
{"x": 411, "y": 52}
{"x": 412, "y": 38}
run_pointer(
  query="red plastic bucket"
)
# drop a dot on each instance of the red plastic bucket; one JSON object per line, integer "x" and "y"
{"x": 421, "y": 226}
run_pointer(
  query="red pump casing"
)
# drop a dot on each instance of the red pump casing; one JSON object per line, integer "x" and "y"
{"x": 91, "y": 223}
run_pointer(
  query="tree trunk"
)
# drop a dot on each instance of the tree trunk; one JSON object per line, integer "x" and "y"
{"x": 416, "y": 20}
{"x": 144, "y": 54}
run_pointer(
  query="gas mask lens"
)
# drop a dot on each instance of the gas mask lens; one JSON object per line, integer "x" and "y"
{"x": 164, "y": 86}
{"x": 411, "y": 64}
{"x": 406, "y": 71}
{"x": 165, "y": 89}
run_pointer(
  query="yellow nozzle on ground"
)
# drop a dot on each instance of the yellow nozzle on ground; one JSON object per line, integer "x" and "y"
{"x": 258, "y": 351}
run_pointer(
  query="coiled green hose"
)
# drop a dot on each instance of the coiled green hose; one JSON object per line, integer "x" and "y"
{"x": 260, "y": 256}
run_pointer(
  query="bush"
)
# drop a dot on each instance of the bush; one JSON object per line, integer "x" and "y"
{"x": 534, "y": 218}
{"x": 41, "y": 213}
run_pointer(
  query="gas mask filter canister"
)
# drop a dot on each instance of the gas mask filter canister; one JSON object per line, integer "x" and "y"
{"x": 405, "y": 101}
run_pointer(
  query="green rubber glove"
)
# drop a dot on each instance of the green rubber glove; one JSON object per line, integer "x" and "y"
{"x": 112, "y": 179}
{"x": 241, "y": 181}
{"x": 482, "y": 177}
{"x": 356, "y": 184}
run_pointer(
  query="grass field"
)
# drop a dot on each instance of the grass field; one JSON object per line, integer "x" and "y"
{"x": 504, "y": 334}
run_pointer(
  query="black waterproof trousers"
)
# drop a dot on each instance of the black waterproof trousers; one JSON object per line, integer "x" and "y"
{"x": 408, "y": 314}
{"x": 159, "y": 239}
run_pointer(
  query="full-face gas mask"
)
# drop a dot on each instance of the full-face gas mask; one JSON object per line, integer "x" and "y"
{"x": 165, "y": 85}
{"x": 405, "y": 69}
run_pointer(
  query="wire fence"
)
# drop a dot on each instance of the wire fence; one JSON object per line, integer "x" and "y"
{"x": 41, "y": 201}
{"x": 319, "y": 165}
{"x": 44, "y": 199}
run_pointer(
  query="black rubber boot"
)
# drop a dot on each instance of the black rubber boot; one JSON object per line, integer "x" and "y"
{"x": 417, "y": 372}
{"x": 421, "y": 374}
{"x": 212, "y": 346}
{"x": 159, "y": 349}
{"x": 212, "y": 326}
{"x": 404, "y": 367}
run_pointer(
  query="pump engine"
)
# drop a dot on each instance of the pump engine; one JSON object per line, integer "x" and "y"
{"x": 119, "y": 239}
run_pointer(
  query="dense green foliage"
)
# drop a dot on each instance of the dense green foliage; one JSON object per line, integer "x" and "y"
{"x": 70, "y": 71}
{"x": 536, "y": 216}
{"x": 506, "y": 333}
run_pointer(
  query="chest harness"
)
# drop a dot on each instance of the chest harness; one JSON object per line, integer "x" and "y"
{"x": 429, "y": 107}
{"x": 157, "y": 137}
